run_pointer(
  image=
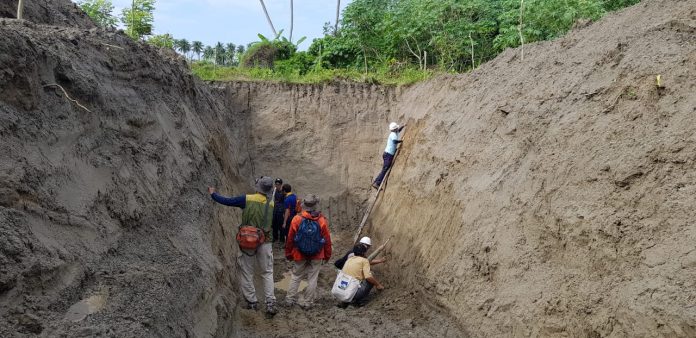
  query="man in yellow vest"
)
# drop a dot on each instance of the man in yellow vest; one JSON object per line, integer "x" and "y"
{"x": 257, "y": 212}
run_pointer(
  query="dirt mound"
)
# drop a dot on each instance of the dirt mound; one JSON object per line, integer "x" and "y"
{"x": 48, "y": 12}
{"x": 103, "y": 210}
{"x": 554, "y": 196}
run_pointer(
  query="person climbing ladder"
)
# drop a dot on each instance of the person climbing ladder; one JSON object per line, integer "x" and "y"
{"x": 392, "y": 141}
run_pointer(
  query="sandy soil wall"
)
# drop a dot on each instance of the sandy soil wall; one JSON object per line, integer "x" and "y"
{"x": 104, "y": 209}
{"x": 323, "y": 139}
{"x": 554, "y": 196}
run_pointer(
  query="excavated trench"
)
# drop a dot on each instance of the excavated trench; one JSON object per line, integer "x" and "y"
{"x": 106, "y": 228}
{"x": 550, "y": 196}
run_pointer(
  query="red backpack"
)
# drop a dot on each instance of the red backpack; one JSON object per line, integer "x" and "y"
{"x": 250, "y": 237}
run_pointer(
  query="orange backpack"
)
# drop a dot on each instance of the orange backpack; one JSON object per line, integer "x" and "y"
{"x": 250, "y": 237}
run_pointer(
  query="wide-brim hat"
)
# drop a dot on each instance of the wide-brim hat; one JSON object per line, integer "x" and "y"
{"x": 310, "y": 202}
{"x": 264, "y": 185}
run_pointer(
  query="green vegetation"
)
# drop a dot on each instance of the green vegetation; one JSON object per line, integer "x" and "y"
{"x": 402, "y": 41}
{"x": 385, "y": 41}
{"x": 99, "y": 11}
{"x": 210, "y": 72}
{"x": 138, "y": 18}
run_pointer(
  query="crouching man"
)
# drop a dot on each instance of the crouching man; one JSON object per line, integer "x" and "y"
{"x": 358, "y": 267}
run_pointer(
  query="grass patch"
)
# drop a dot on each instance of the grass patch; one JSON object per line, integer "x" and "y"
{"x": 208, "y": 72}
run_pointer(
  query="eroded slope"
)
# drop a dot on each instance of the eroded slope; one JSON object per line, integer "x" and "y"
{"x": 554, "y": 196}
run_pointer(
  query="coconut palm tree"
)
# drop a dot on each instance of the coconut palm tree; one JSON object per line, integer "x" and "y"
{"x": 20, "y": 9}
{"x": 185, "y": 47}
{"x": 230, "y": 50}
{"x": 268, "y": 18}
{"x": 197, "y": 48}
{"x": 219, "y": 53}
{"x": 208, "y": 53}
{"x": 338, "y": 9}
{"x": 291, "y": 19}
{"x": 177, "y": 45}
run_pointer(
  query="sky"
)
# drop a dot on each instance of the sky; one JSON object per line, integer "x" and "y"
{"x": 238, "y": 21}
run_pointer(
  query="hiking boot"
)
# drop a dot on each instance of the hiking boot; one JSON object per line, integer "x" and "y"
{"x": 375, "y": 186}
{"x": 251, "y": 306}
{"x": 271, "y": 310}
{"x": 342, "y": 305}
{"x": 288, "y": 304}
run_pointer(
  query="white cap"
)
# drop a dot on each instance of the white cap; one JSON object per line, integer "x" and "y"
{"x": 393, "y": 126}
{"x": 366, "y": 241}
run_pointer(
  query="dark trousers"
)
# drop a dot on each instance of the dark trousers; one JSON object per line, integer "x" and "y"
{"x": 362, "y": 293}
{"x": 388, "y": 158}
{"x": 287, "y": 228}
{"x": 278, "y": 234}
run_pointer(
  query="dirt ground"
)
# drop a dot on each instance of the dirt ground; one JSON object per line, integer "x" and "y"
{"x": 393, "y": 312}
{"x": 551, "y": 196}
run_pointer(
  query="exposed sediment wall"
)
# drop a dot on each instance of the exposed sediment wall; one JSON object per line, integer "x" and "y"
{"x": 108, "y": 202}
{"x": 554, "y": 196}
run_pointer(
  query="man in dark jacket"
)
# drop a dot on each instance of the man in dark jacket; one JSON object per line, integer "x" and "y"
{"x": 278, "y": 212}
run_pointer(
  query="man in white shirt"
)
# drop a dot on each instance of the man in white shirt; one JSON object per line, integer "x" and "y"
{"x": 389, "y": 151}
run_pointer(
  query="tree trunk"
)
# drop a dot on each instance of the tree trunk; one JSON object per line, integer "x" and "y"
{"x": 20, "y": 9}
{"x": 268, "y": 18}
{"x": 473, "y": 62}
{"x": 338, "y": 9}
{"x": 291, "y": 19}
{"x": 521, "y": 30}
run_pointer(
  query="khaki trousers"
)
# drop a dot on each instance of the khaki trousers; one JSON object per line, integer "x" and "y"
{"x": 245, "y": 264}
{"x": 306, "y": 269}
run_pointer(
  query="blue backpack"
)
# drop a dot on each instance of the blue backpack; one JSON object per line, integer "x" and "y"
{"x": 308, "y": 237}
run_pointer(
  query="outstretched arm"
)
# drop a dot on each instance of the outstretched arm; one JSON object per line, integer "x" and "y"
{"x": 237, "y": 201}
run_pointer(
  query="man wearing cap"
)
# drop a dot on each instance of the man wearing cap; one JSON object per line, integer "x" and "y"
{"x": 389, "y": 151}
{"x": 367, "y": 243}
{"x": 257, "y": 212}
{"x": 278, "y": 212}
{"x": 306, "y": 267}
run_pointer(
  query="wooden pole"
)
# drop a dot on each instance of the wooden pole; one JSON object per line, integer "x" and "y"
{"x": 375, "y": 253}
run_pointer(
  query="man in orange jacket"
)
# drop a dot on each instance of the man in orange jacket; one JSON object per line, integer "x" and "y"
{"x": 308, "y": 245}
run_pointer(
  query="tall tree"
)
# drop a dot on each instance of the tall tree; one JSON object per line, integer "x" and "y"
{"x": 230, "y": 50}
{"x": 338, "y": 10}
{"x": 138, "y": 18}
{"x": 185, "y": 47}
{"x": 219, "y": 54}
{"x": 292, "y": 17}
{"x": 268, "y": 18}
{"x": 240, "y": 50}
{"x": 197, "y": 47}
{"x": 208, "y": 53}
{"x": 20, "y": 9}
{"x": 99, "y": 11}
